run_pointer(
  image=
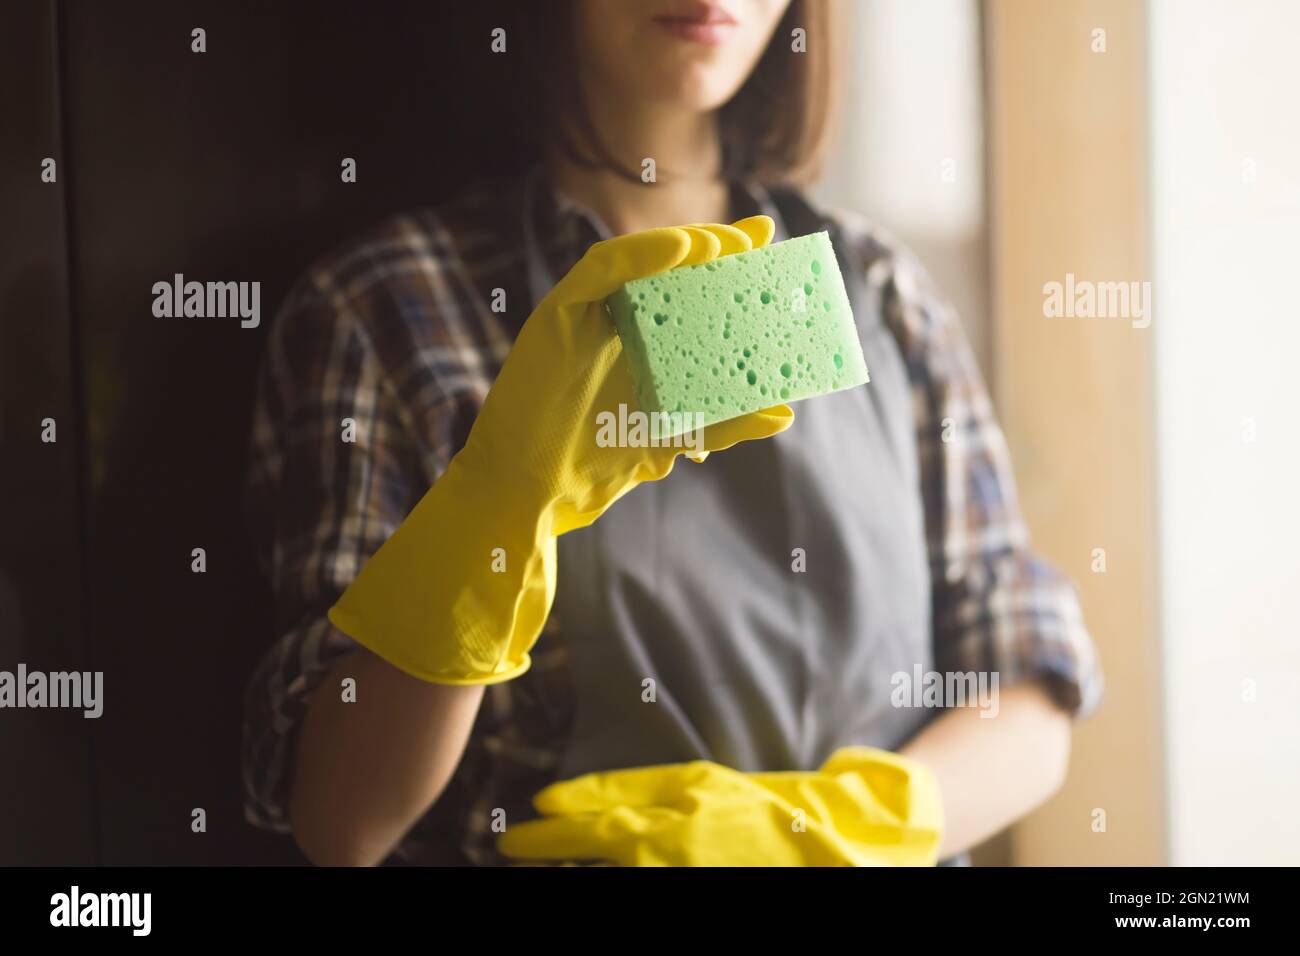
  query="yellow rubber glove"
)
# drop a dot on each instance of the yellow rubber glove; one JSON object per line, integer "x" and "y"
{"x": 459, "y": 593}
{"x": 864, "y": 807}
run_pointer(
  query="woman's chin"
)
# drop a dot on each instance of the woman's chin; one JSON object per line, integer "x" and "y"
{"x": 697, "y": 90}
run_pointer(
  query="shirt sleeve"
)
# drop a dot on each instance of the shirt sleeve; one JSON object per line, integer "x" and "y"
{"x": 333, "y": 471}
{"x": 997, "y": 606}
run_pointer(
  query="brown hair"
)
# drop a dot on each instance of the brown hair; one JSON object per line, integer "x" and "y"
{"x": 772, "y": 130}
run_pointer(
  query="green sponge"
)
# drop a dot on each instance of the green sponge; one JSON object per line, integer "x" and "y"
{"x": 740, "y": 333}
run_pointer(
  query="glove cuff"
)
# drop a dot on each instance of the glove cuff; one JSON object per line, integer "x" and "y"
{"x": 459, "y": 593}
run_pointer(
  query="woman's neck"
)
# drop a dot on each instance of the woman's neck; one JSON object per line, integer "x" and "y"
{"x": 687, "y": 155}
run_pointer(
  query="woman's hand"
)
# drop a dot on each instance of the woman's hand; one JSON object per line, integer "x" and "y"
{"x": 535, "y": 436}
{"x": 864, "y": 807}
{"x": 461, "y": 590}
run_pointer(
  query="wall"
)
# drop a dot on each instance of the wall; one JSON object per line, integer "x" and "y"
{"x": 1068, "y": 195}
{"x": 46, "y": 800}
{"x": 1225, "y": 174}
{"x": 223, "y": 165}
{"x": 909, "y": 149}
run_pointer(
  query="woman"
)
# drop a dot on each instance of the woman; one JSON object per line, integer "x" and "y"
{"x": 750, "y": 613}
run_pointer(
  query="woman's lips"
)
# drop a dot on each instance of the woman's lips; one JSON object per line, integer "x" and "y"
{"x": 711, "y": 26}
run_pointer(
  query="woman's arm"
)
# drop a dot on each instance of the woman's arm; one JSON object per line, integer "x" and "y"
{"x": 994, "y": 770}
{"x": 997, "y": 607}
{"x": 348, "y": 779}
{"x": 367, "y": 770}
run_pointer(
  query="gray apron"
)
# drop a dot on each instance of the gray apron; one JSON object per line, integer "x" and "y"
{"x": 689, "y": 582}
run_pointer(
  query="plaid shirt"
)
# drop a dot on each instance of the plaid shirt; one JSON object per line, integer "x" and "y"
{"x": 395, "y": 333}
